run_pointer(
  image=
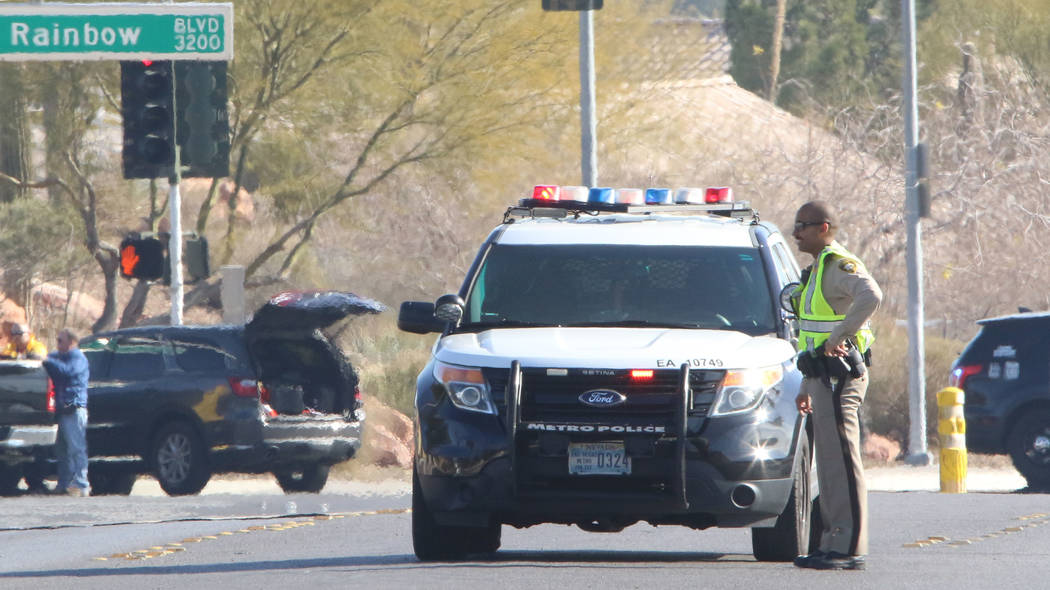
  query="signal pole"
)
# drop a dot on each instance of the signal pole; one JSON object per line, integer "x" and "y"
{"x": 175, "y": 211}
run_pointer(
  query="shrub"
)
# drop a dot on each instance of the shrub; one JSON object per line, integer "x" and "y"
{"x": 886, "y": 408}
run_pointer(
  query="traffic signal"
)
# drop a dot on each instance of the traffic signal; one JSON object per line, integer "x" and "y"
{"x": 572, "y": 4}
{"x": 143, "y": 257}
{"x": 146, "y": 93}
{"x": 202, "y": 121}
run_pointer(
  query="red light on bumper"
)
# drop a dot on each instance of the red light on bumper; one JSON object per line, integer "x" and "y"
{"x": 641, "y": 373}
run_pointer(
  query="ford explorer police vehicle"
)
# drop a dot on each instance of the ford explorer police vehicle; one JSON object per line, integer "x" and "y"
{"x": 614, "y": 356}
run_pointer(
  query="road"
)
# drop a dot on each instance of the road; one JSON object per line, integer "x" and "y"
{"x": 919, "y": 539}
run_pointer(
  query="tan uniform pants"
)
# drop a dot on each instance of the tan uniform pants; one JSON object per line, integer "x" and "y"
{"x": 843, "y": 492}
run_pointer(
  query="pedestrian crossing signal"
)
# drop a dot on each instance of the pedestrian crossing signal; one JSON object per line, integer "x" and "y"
{"x": 142, "y": 258}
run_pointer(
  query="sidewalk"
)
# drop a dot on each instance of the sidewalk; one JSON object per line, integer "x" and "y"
{"x": 906, "y": 478}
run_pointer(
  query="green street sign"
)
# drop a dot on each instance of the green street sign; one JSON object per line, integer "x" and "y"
{"x": 120, "y": 31}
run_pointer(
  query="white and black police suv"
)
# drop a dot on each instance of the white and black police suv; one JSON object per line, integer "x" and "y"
{"x": 614, "y": 357}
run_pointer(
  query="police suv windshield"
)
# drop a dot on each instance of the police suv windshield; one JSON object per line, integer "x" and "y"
{"x": 610, "y": 285}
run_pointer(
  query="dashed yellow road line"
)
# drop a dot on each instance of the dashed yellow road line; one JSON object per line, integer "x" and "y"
{"x": 177, "y": 547}
{"x": 1028, "y": 521}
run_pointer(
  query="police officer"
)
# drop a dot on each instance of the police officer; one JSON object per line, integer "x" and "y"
{"x": 834, "y": 303}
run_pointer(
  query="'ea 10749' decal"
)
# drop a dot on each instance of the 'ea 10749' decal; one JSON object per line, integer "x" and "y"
{"x": 694, "y": 362}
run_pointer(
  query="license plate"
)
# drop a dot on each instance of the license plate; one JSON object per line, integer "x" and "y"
{"x": 606, "y": 458}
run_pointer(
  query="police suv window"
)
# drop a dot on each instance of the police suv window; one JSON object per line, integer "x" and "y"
{"x": 605, "y": 284}
{"x": 786, "y": 269}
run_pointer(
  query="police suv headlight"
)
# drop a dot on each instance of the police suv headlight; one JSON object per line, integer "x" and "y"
{"x": 466, "y": 387}
{"x": 742, "y": 390}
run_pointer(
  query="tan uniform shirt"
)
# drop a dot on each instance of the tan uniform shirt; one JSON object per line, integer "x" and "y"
{"x": 851, "y": 291}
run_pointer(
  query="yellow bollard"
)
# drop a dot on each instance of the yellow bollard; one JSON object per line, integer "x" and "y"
{"x": 952, "y": 430}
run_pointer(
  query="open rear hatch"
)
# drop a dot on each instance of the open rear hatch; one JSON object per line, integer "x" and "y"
{"x": 303, "y": 371}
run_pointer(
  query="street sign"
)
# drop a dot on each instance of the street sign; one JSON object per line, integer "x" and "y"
{"x": 122, "y": 31}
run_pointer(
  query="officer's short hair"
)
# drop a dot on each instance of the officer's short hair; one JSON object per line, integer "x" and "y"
{"x": 821, "y": 211}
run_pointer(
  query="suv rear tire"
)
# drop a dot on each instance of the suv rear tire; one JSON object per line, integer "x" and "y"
{"x": 111, "y": 482}
{"x": 9, "y": 478}
{"x": 432, "y": 541}
{"x": 797, "y": 531}
{"x": 1029, "y": 446}
{"x": 180, "y": 462}
{"x": 310, "y": 479}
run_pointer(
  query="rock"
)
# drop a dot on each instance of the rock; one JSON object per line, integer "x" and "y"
{"x": 881, "y": 448}
{"x": 388, "y": 438}
{"x": 386, "y": 450}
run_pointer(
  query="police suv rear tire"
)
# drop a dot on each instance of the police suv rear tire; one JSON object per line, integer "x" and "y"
{"x": 432, "y": 541}
{"x": 1027, "y": 445}
{"x": 796, "y": 531}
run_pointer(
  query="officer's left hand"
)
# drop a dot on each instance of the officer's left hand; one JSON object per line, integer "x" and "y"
{"x": 804, "y": 403}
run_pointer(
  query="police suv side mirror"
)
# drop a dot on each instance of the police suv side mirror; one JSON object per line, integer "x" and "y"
{"x": 785, "y": 297}
{"x": 449, "y": 308}
{"x": 417, "y": 317}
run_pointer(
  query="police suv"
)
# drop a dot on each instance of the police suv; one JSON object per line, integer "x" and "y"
{"x": 614, "y": 356}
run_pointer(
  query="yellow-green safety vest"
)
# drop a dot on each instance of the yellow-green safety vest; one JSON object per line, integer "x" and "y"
{"x": 816, "y": 318}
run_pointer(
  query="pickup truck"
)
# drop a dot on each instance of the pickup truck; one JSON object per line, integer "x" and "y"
{"x": 27, "y": 422}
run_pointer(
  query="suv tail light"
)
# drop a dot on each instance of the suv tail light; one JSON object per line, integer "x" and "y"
{"x": 359, "y": 399}
{"x": 50, "y": 396}
{"x": 961, "y": 373}
{"x": 244, "y": 387}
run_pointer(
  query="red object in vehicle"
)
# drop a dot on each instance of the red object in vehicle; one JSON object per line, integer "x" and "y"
{"x": 961, "y": 373}
{"x": 244, "y": 387}
{"x": 50, "y": 396}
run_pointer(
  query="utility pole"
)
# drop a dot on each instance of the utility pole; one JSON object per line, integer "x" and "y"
{"x": 588, "y": 119}
{"x": 918, "y": 452}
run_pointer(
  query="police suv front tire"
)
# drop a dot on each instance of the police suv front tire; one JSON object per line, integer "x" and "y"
{"x": 432, "y": 542}
{"x": 797, "y": 529}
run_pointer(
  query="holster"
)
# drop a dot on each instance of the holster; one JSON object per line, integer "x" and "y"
{"x": 816, "y": 365}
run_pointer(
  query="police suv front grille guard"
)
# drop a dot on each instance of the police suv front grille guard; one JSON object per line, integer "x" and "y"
{"x": 681, "y": 426}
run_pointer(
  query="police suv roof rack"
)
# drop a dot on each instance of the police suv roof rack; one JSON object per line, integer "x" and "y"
{"x": 559, "y": 209}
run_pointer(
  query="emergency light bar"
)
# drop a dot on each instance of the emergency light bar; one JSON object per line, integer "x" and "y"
{"x": 717, "y": 200}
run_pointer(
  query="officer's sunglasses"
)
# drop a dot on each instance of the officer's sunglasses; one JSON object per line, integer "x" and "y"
{"x": 801, "y": 225}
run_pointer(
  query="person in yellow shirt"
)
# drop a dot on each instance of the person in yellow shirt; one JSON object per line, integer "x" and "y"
{"x": 23, "y": 345}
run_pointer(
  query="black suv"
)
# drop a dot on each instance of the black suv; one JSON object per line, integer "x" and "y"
{"x": 1006, "y": 378}
{"x": 183, "y": 402}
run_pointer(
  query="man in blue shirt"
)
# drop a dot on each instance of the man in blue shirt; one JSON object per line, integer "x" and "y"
{"x": 68, "y": 369}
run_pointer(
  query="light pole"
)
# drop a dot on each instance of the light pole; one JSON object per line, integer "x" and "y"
{"x": 918, "y": 453}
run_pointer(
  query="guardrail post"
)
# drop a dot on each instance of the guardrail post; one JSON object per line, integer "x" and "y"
{"x": 952, "y": 430}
